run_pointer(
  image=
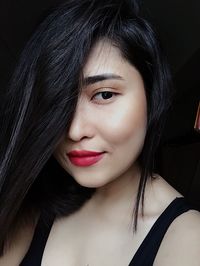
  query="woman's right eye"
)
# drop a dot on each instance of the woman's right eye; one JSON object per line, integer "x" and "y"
{"x": 104, "y": 96}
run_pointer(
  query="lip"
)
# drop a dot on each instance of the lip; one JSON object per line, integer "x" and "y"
{"x": 84, "y": 158}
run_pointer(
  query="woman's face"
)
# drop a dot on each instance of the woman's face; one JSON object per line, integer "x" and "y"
{"x": 110, "y": 120}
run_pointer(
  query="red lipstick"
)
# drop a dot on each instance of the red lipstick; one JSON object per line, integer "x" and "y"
{"x": 84, "y": 158}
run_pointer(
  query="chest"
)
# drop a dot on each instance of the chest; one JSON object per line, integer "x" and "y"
{"x": 93, "y": 257}
{"x": 86, "y": 248}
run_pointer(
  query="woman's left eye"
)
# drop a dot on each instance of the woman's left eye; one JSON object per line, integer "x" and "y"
{"x": 104, "y": 95}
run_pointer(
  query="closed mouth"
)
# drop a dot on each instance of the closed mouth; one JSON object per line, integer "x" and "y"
{"x": 84, "y": 158}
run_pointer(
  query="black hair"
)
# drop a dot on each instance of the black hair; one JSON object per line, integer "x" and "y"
{"x": 41, "y": 100}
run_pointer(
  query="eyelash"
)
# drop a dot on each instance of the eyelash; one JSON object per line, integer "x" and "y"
{"x": 103, "y": 100}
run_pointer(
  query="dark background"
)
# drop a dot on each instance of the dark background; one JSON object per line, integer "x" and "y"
{"x": 178, "y": 23}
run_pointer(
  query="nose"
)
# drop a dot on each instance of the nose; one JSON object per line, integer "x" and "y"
{"x": 81, "y": 126}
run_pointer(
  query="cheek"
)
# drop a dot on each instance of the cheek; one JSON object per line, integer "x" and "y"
{"x": 125, "y": 125}
{"x": 124, "y": 132}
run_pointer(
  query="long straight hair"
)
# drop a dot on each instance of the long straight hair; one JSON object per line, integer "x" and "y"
{"x": 41, "y": 100}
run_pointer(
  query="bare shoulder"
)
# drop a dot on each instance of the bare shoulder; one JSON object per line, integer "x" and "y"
{"x": 181, "y": 244}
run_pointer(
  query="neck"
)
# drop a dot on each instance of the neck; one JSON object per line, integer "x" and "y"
{"x": 116, "y": 200}
{"x": 119, "y": 189}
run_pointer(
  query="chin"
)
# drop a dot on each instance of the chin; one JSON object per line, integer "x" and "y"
{"x": 91, "y": 183}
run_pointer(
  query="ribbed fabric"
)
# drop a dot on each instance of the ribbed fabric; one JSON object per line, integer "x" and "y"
{"x": 145, "y": 254}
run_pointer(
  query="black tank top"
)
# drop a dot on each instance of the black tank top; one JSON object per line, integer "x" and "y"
{"x": 145, "y": 254}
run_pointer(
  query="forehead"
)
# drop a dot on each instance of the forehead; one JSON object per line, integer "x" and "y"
{"x": 104, "y": 57}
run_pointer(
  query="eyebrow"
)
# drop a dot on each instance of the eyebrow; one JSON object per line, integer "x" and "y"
{"x": 97, "y": 78}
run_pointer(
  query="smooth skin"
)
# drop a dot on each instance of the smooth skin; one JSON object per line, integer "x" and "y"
{"x": 111, "y": 117}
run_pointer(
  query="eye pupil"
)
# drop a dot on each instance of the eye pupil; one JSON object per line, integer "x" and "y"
{"x": 107, "y": 94}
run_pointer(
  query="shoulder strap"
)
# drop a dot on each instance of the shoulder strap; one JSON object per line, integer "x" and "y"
{"x": 147, "y": 251}
{"x": 34, "y": 254}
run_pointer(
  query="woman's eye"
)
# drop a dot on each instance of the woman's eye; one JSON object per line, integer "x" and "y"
{"x": 103, "y": 95}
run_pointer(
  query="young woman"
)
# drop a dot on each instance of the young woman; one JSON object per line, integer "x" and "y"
{"x": 81, "y": 122}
